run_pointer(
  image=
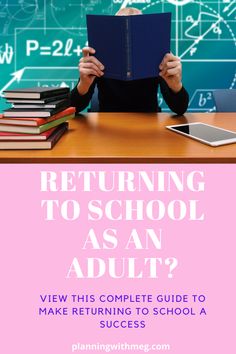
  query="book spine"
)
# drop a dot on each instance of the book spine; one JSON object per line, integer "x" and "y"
{"x": 55, "y": 123}
{"x": 58, "y": 135}
{"x": 128, "y": 49}
{"x": 55, "y": 93}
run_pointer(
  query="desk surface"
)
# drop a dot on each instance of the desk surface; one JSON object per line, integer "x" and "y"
{"x": 131, "y": 138}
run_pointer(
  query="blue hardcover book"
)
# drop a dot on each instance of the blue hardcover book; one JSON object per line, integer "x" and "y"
{"x": 130, "y": 47}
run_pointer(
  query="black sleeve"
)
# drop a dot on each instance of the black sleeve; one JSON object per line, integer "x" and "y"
{"x": 177, "y": 102}
{"x": 80, "y": 102}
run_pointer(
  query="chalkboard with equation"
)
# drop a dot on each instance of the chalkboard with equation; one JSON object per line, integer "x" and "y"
{"x": 41, "y": 42}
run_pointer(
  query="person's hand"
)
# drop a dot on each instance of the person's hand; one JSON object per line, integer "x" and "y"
{"x": 171, "y": 71}
{"x": 89, "y": 68}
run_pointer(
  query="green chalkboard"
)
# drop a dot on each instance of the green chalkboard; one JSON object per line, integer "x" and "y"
{"x": 41, "y": 41}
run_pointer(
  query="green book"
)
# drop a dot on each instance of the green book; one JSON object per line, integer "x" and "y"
{"x": 34, "y": 130}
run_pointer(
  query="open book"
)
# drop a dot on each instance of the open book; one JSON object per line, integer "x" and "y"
{"x": 130, "y": 47}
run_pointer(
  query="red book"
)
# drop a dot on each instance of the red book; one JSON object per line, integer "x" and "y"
{"x": 9, "y": 136}
{"x": 35, "y": 122}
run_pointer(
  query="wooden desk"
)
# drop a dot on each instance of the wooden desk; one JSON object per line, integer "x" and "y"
{"x": 131, "y": 138}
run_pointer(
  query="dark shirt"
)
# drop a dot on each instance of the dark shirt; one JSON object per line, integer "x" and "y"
{"x": 131, "y": 96}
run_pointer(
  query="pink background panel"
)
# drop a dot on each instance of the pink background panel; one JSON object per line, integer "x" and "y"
{"x": 36, "y": 255}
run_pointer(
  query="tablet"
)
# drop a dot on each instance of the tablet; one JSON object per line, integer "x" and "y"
{"x": 205, "y": 133}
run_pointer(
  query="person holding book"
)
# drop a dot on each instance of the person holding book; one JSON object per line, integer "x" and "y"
{"x": 134, "y": 95}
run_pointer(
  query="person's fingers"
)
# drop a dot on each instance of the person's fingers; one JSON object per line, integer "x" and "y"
{"x": 172, "y": 64}
{"x": 165, "y": 59}
{"x": 169, "y": 57}
{"x": 164, "y": 70}
{"x": 88, "y": 50}
{"x": 174, "y": 71}
{"x": 161, "y": 65}
{"x": 173, "y": 57}
{"x": 89, "y": 72}
{"x": 90, "y": 66}
{"x": 94, "y": 60}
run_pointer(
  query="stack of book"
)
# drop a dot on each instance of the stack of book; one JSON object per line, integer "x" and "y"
{"x": 37, "y": 119}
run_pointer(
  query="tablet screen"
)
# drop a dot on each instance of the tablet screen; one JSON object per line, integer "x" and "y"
{"x": 204, "y": 132}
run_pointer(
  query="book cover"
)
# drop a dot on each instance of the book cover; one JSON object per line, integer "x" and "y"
{"x": 30, "y": 121}
{"x": 35, "y": 92}
{"x": 34, "y": 129}
{"x": 31, "y": 113}
{"x": 37, "y": 101}
{"x": 130, "y": 47}
{"x": 53, "y": 104}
